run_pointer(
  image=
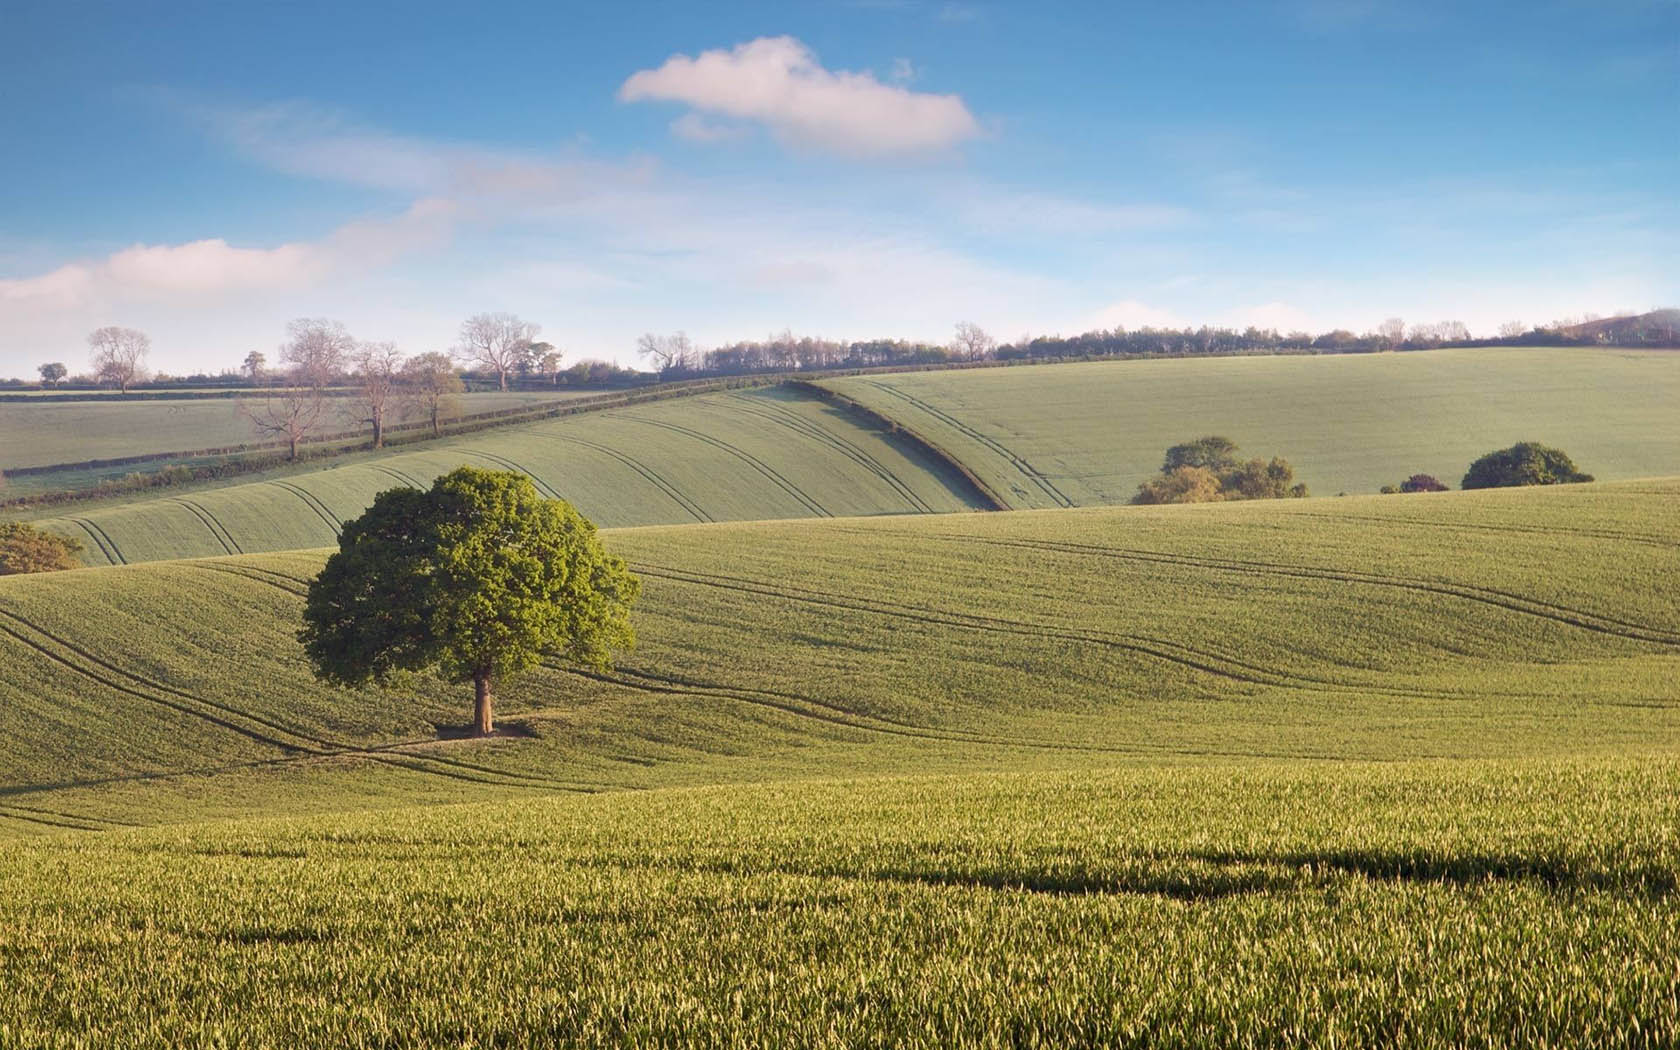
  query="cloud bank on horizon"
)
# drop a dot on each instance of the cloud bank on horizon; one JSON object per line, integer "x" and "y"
{"x": 790, "y": 192}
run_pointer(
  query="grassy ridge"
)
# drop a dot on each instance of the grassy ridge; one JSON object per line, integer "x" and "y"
{"x": 1500, "y": 624}
{"x": 1079, "y": 435}
{"x": 759, "y": 454}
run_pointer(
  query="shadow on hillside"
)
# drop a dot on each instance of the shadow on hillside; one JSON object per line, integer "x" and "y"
{"x": 464, "y": 731}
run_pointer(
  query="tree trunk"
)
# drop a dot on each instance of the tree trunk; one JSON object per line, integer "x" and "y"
{"x": 503, "y": 376}
{"x": 436, "y": 432}
{"x": 294, "y": 441}
{"x": 378, "y": 431}
{"x": 483, "y": 723}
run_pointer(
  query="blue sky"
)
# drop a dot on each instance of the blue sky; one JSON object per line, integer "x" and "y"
{"x": 206, "y": 171}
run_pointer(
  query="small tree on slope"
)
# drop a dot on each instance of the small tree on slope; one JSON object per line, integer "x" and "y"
{"x": 478, "y": 578}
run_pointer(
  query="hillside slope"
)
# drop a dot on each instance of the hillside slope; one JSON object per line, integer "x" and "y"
{"x": 767, "y": 453}
{"x": 1087, "y": 434}
{"x": 1513, "y": 623}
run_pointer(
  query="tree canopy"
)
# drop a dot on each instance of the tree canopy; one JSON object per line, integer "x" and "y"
{"x": 1525, "y": 463}
{"x": 1208, "y": 469}
{"x": 25, "y": 548}
{"x": 478, "y": 578}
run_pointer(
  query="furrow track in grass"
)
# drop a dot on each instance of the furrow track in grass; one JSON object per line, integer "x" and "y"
{"x": 55, "y": 820}
{"x": 746, "y": 457}
{"x": 217, "y": 529}
{"x": 833, "y": 714}
{"x": 259, "y": 575}
{"x": 1508, "y": 600}
{"x": 508, "y": 464}
{"x": 102, "y": 540}
{"x": 405, "y": 478}
{"x": 1218, "y": 664}
{"x": 1031, "y": 472}
{"x": 311, "y": 501}
{"x": 653, "y": 478}
{"x": 1516, "y": 530}
{"x": 774, "y": 413}
{"x": 301, "y": 741}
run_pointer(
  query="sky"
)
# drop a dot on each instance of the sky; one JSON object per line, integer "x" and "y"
{"x": 206, "y": 171}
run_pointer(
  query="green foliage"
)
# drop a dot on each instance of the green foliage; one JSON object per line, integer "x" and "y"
{"x": 25, "y": 549}
{"x": 1212, "y": 453}
{"x": 1207, "y": 470}
{"x": 1419, "y": 483}
{"x": 1525, "y": 463}
{"x": 480, "y": 577}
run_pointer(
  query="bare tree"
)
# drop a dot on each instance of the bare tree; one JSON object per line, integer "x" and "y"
{"x": 672, "y": 353}
{"x": 256, "y": 363}
{"x": 1513, "y": 330}
{"x": 377, "y": 368}
{"x": 1393, "y": 332}
{"x": 315, "y": 351}
{"x": 292, "y": 411}
{"x": 971, "y": 341}
{"x": 119, "y": 354}
{"x": 431, "y": 387}
{"x": 499, "y": 342}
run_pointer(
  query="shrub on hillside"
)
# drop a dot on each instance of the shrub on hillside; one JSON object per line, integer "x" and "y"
{"x": 1207, "y": 470}
{"x": 1525, "y": 463}
{"x": 24, "y": 548}
{"x": 1416, "y": 483}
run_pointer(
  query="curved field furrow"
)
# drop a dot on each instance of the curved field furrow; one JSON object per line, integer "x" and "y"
{"x": 746, "y": 457}
{"x": 780, "y": 416}
{"x": 309, "y": 500}
{"x": 1514, "y": 530}
{"x": 102, "y": 539}
{"x": 1510, "y": 601}
{"x": 646, "y": 472}
{"x": 220, "y": 535}
{"x": 1032, "y": 473}
{"x": 1204, "y": 661}
{"x": 507, "y": 464}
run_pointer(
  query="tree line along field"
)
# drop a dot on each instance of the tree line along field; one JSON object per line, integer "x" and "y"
{"x": 1087, "y": 434}
{"x": 769, "y": 453}
{"x": 103, "y": 427}
{"x": 1148, "y": 776}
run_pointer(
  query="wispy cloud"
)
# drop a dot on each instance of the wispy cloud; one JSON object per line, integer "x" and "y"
{"x": 778, "y": 82}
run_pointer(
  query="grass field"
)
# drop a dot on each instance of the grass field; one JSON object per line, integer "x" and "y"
{"x": 1087, "y": 434}
{"x": 1381, "y": 770}
{"x": 768, "y": 453}
{"x": 76, "y": 431}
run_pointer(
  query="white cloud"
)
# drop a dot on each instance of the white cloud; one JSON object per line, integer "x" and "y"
{"x": 693, "y": 127}
{"x": 212, "y": 267}
{"x": 778, "y": 82}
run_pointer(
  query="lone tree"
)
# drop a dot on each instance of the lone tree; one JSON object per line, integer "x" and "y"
{"x": 25, "y": 548}
{"x": 52, "y": 373}
{"x": 1525, "y": 463}
{"x": 432, "y": 388}
{"x": 478, "y": 578}
{"x": 971, "y": 342}
{"x": 497, "y": 342}
{"x": 119, "y": 354}
{"x": 376, "y": 369}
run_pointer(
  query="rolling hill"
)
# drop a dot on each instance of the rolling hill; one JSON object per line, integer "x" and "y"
{"x": 1087, "y": 434}
{"x": 1038, "y": 437}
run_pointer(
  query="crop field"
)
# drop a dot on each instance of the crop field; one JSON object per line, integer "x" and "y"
{"x": 768, "y": 453}
{"x": 38, "y": 435}
{"x": 1393, "y": 770}
{"x": 1087, "y": 434}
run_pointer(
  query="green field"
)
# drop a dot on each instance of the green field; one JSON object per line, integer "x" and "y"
{"x": 1380, "y": 769}
{"x": 1087, "y": 434}
{"x": 768, "y": 453}
{"x": 38, "y": 435}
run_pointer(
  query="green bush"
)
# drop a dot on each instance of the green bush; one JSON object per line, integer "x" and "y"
{"x": 1207, "y": 470}
{"x": 1525, "y": 463}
